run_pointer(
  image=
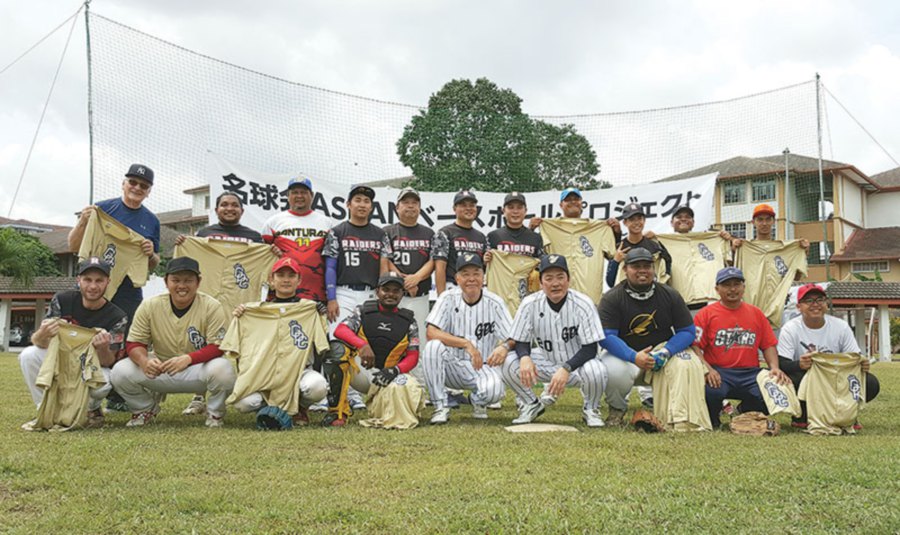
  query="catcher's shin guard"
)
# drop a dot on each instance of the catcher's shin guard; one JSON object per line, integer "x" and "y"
{"x": 338, "y": 369}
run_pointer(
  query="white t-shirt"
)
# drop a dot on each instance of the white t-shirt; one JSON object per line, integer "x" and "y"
{"x": 835, "y": 336}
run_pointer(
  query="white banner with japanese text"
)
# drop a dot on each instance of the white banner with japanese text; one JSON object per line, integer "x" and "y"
{"x": 263, "y": 194}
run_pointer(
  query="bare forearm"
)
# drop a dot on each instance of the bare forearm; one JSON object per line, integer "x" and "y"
{"x": 76, "y": 235}
{"x": 771, "y": 357}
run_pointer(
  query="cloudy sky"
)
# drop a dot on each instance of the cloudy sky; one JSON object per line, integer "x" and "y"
{"x": 562, "y": 58}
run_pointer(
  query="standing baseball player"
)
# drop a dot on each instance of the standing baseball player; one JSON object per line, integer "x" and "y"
{"x": 129, "y": 210}
{"x": 299, "y": 232}
{"x": 457, "y": 237}
{"x": 468, "y": 333}
{"x": 411, "y": 242}
{"x": 564, "y": 328}
{"x": 634, "y": 219}
{"x": 88, "y": 308}
{"x": 380, "y": 337}
{"x": 514, "y": 237}
{"x": 183, "y": 328}
{"x": 639, "y": 315}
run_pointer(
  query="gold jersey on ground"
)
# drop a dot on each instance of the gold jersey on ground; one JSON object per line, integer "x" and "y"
{"x": 770, "y": 268}
{"x": 508, "y": 276}
{"x": 834, "y": 389}
{"x": 233, "y": 272}
{"x": 696, "y": 259}
{"x": 118, "y": 246}
{"x": 585, "y": 243}
{"x": 167, "y": 335}
{"x": 679, "y": 400}
{"x": 273, "y": 343}
{"x": 70, "y": 369}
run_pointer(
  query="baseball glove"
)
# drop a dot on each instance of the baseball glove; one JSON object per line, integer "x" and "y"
{"x": 273, "y": 419}
{"x": 755, "y": 424}
{"x": 645, "y": 421}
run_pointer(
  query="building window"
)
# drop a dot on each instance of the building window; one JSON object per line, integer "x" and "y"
{"x": 763, "y": 190}
{"x": 735, "y": 192}
{"x": 818, "y": 253}
{"x": 882, "y": 266}
{"x": 206, "y": 202}
{"x": 737, "y": 230}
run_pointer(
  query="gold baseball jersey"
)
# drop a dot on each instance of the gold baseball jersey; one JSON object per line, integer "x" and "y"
{"x": 117, "y": 245}
{"x": 167, "y": 335}
{"x": 507, "y": 276}
{"x": 778, "y": 398}
{"x": 696, "y": 258}
{"x": 679, "y": 393}
{"x": 233, "y": 272}
{"x": 399, "y": 405}
{"x": 585, "y": 243}
{"x": 770, "y": 268}
{"x": 834, "y": 389}
{"x": 70, "y": 369}
{"x": 658, "y": 267}
{"x": 273, "y": 343}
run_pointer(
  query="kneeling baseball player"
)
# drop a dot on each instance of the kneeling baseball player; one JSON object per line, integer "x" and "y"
{"x": 467, "y": 324}
{"x": 565, "y": 329}
{"x": 384, "y": 340}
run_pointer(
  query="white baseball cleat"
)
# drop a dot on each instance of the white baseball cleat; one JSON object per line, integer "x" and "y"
{"x": 196, "y": 406}
{"x": 495, "y": 406}
{"x": 320, "y": 406}
{"x": 528, "y": 413}
{"x": 479, "y": 412}
{"x": 143, "y": 418}
{"x": 547, "y": 399}
{"x": 356, "y": 400}
{"x": 440, "y": 416}
{"x": 592, "y": 418}
{"x": 214, "y": 421}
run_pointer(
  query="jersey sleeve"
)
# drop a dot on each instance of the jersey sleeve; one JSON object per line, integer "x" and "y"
{"x": 681, "y": 314}
{"x": 217, "y": 322}
{"x": 701, "y": 321}
{"x": 140, "y": 326}
{"x": 607, "y": 313}
{"x": 439, "y": 316}
{"x": 503, "y": 321}
{"x": 332, "y": 247}
{"x": 522, "y": 324}
{"x": 268, "y": 232}
{"x": 413, "y": 337}
{"x": 354, "y": 320}
{"x": 55, "y": 309}
{"x": 440, "y": 246}
{"x": 848, "y": 343}
{"x": 788, "y": 340}
{"x": 387, "y": 251}
{"x": 591, "y": 326}
{"x": 232, "y": 342}
{"x": 154, "y": 234}
{"x": 767, "y": 335}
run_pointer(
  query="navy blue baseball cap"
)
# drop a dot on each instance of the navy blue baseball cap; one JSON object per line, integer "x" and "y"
{"x": 638, "y": 254}
{"x": 300, "y": 180}
{"x": 568, "y": 191}
{"x": 728, "y": 273}
{"x": 140, "y": 171}
{"x": 553, "y": 261}
{"x": 468, "y": 259}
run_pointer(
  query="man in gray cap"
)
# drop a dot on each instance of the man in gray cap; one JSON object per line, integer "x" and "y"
{"x": 86, "y": 307}
{"x": 639, "y": 318}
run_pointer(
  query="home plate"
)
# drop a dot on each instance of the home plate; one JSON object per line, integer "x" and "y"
{"x": 539, "y": 428}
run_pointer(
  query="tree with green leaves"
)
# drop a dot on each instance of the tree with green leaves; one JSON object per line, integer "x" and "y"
{"x": 475, "y": 135}
{"x": 24, "y": 257}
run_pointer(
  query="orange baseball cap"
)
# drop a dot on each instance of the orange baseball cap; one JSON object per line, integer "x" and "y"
{"x": 763, "y": 209}
{"x": 286, "y": 262}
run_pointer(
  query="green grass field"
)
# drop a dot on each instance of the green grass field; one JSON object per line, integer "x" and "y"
{"x": 178, "y": 477}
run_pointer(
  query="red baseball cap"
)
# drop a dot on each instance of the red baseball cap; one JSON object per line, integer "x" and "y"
{"x": 286, "y": 262}
{"x": 763, "y": 209}
{"x": 806, "y": 288}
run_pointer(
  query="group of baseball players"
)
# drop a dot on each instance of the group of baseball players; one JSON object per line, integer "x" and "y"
{"x": 347, "y": 307}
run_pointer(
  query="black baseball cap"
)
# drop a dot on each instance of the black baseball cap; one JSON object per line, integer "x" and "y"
{"x": 638, "y": 254}
{"x": 464, "y": 195}
{"x": 553, "y": 261}
{"x": 389, "y": 277}
{"x": 182, "y": 263}
{"x": 514, "y": 197}
{"x": 140, "y": 171}
{"x": 93, "y": 262}
{"x": 468, "y": 259}
{"x": 361, "y": 189}
{"x": 683, "y": 208}
{"x": 632, "y": 209}
{"x": 406, "y": 192}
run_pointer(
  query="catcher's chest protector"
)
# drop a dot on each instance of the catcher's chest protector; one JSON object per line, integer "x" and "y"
{"x": 386, "y": 332}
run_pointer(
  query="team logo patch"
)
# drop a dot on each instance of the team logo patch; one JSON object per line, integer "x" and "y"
{"x": 400, "y": 380}
{"x": 642, "y": 324}
{"x": 197, "y": 340}
{"x": 484, "y": 329}
{"x": 82, "y": 361}
{"x": 586, "y": 248}
{"x": 301, "y": 341}
{"x": 523, "y": 288}
{"x": 855, "y": 387}
{"x": 553, "y": 258}
{"x": 683, "y": 355}
{"x": 468, "y": 257}
{"x": 776, "y": 394}
{"x": 109, "y": 255}
{"x": 705, "y": 252}
{"x": 384, "y": 326}
{"x": 240, "y": 277}
{"x": 780, "y": 266}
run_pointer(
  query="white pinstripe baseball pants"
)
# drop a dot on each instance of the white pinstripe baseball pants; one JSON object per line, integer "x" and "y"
{"x": 591, "y": 377}
{"x": 451, "y": 366}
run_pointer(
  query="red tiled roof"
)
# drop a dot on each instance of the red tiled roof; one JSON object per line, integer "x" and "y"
{"x": 871, "y": 244}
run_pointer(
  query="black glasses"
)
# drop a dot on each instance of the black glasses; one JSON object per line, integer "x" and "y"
{"x": 143, "y": 185}
{"x": 814, "y": 301}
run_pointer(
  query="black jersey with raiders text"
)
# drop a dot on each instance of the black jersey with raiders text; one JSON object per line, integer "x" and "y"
{"x": 358, "y": 251}
{"x": 412, "y": 250}
{"x": 521, "y": 241}
{"x": 454, "y": 239}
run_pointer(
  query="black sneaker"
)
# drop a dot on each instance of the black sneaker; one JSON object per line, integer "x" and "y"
{"x": 114, "y": 402}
